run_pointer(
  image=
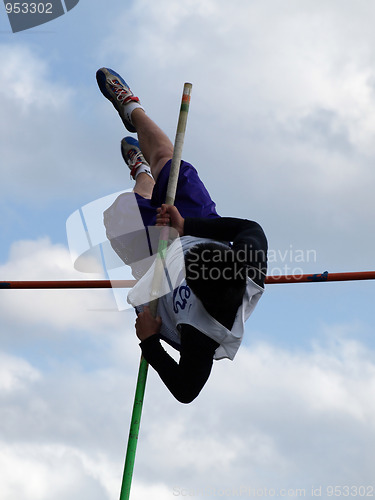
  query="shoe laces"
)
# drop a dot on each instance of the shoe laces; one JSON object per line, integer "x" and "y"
{"x": 135, "y": 158}
{"x": 122, "y": 94}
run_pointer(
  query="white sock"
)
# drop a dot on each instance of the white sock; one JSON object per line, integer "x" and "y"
{"x": 128, "y": 109}
{"x": 144, "y": 168}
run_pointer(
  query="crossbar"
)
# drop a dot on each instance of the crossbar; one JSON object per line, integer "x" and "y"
{"x": 270, "y": 280}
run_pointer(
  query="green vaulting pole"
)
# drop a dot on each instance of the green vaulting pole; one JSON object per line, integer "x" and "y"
{"x": 143, "y": 367}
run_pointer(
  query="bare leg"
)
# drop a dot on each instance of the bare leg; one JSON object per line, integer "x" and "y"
{"x": 155, "y": 145}
{"x": 144, "y": 185}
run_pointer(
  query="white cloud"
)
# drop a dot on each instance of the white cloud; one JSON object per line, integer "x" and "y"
{"x": 60, "y": 309}
{"x": 81, "y": 327}
{"x": 36, "y": 472}
{"x": 273, "y": 414}
{"x": 15, "y": 373}
{"x": 272, "y": 419}
{"x": 26, "y": 83}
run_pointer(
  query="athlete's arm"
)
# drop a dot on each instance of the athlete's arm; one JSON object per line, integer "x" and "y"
{"x": 249, "y": 240}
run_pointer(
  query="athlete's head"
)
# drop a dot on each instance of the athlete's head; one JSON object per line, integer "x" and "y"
{"x": 215, "y": 276}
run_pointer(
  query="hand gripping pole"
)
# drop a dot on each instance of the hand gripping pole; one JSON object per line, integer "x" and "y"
{"x": 163, "y": 241}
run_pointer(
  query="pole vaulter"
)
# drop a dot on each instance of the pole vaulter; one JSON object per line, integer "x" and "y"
{"x": 221, "y": 303}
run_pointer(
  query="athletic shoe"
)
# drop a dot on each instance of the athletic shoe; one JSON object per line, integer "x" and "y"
{"x": 133, "y": 156}
{"x": 116, "y": 90}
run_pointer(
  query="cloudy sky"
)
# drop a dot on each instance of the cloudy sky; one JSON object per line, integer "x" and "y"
{"x": 281, "y": 129}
